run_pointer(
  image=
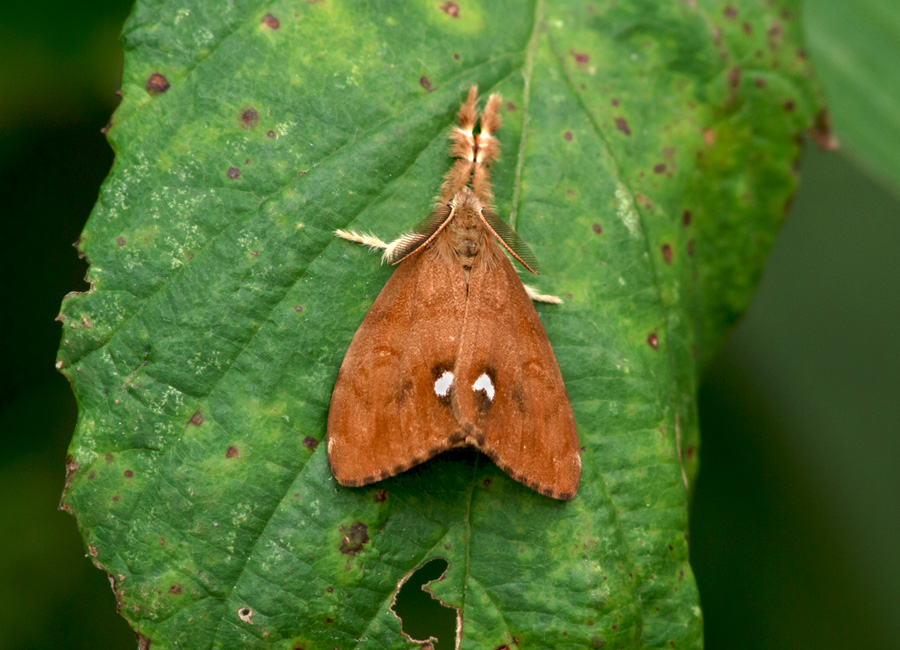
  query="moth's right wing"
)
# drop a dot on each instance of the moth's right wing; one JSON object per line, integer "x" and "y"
{"x": 386, "y": 413}
{"x": 510, "y": 391}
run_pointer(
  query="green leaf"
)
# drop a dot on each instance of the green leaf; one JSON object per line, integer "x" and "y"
{"x": 648, "y": 153}
{"x": 856, "y": 46}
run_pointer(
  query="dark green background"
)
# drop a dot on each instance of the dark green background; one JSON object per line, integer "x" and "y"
{"x": 796, "y": 517}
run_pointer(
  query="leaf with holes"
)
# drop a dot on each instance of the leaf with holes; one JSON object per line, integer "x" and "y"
{"x": 648, "y": 153}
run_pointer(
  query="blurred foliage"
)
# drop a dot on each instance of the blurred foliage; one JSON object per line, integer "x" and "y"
{"x": 59, "y": 67}
{"x": 855, "y": 47}
{"x": 798, "y": 498}
{"x": 797, "y": 509}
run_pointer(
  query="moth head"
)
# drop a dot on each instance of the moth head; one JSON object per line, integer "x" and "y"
{"x": 465, "y": 200}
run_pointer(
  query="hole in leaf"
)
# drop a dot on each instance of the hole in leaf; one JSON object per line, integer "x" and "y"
{"x": 422, "y": 616}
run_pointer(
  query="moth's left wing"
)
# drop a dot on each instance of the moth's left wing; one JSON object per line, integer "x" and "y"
{"x": 509, "y": 394}
{"x": 390, "y": 408}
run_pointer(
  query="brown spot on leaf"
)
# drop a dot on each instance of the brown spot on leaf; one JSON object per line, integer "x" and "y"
{"x": 653, "y": 341}
{"x": 310, "y": 443}
{"x": 423, "y": 81}
{"x": 821, "y": 132}
{"x": 659, "y": 168}
{"x": 128, "y": 473}
{"x": 759, "y": 82}
{"x": 734, "y": 76}
{"x": 709, "y": 137}
{"x": 330, "y": 590}
{"x": 175, "y": 589}
{"x": 451, "y": 9}
{"x": 157, "y": 84}
{"x": 116, "y": 498}
{"x": 91, "y": 475}
{"x": 597, "y": 228}
{"x": 456, "y": 57}
{"x": 510, "y": 106}
{"x": 580, "y": 57}
{"x": 231, "y": 452}
{"x": 615, "y": 101}
{"x": 667, "y": 254}
{"x": 270, "y": 134}
{"x": 789, "y": 106}
{"x": 196, "y": 419}
{"x": 730, "y": 12}
{"x": 233, "y": 173}
{"x": 354, "y": 538}
{"x": 622, "y": 125}
{"x": 774, "y": 35}
{"x": 568, "y": 136}
{"x": 93, "y": 550}
{"x": 381, "y": 496}
{"x": 690, "y": 248}
{"x": 120, "y": 241}
{"x": 245, "y": 614}
{"x": 249, "y": 118}
{"x": 747, "y": 27}
{"x": 686, "y": 218}
{"x": 270, "y": 21}
{"x": 644, "y": 201}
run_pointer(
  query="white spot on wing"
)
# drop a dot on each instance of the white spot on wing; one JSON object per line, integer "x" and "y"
{"x": 484, "y": 383}
{"x": 442, "y": 385}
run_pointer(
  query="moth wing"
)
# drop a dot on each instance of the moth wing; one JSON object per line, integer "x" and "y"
{"x": 509, "y": 393}
{"x": 385, "y": 414}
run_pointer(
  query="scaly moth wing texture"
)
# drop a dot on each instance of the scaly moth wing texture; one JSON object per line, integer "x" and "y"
{"x": 509, "y": 393}
{"x": 385, "y": 415}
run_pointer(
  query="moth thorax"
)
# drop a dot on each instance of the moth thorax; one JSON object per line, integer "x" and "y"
{"x": 467, "y": 234}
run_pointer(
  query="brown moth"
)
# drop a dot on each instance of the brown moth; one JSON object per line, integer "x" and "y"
{"x": 452, "y": 354}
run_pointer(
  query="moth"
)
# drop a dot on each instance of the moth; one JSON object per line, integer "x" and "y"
{"x": 452, "y": 353}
